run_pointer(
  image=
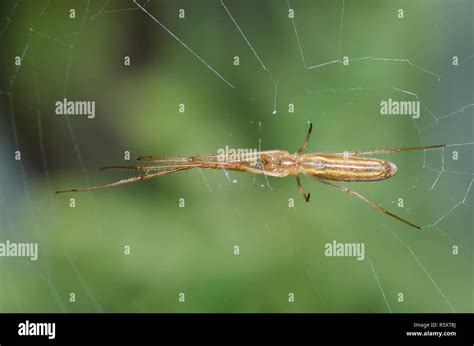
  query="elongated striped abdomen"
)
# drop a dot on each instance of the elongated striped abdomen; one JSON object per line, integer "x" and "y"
{"x": 347, "y": 168}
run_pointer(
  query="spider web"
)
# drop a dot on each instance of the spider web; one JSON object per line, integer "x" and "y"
{"x": 78, "y": 246}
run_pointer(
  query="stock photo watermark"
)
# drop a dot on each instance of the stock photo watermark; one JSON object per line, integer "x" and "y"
{"x": 12, "y": 249}
{"x": 393, "y": 107}
{"x": 336, "y": 249}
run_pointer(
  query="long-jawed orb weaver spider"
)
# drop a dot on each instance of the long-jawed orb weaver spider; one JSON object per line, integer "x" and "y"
{"x": 322, "y": 167}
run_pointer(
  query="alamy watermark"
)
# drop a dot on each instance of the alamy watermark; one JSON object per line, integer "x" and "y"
{"x": 228, "y": 154}
{"x": 335, "y": 249}
{"x": 393, "y": 107}
{"x": 28, "y": 328}
{"x": 66, "y": 107}
{"x": 12, "y": 249}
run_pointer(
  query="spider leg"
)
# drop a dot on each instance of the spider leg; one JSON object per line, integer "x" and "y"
{"x": 306, "y": 196}
{"x": 365, "y": 199}
{"x": 207, "y": 164}
{"x": 207, "y": 158}
{"x": 150, "y": 168}
{"x": 383, "y": 151}
{"x": 305, "y": 144}
{"x": 126, "y": 181}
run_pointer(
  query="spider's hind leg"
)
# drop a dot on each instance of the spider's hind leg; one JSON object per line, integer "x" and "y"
{"x": 365, "y": 199}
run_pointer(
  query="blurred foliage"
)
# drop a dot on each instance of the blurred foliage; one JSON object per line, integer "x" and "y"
{"x": 190, "y": 249}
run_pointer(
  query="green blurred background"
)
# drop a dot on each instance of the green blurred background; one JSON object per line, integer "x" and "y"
{"x": 191, "y": 249}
